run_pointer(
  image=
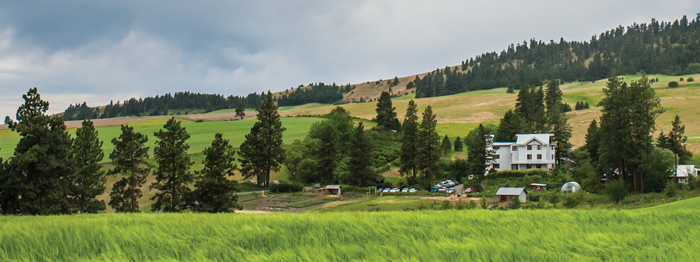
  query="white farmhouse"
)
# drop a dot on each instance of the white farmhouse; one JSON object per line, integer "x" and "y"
{"x": 530, "y": 151}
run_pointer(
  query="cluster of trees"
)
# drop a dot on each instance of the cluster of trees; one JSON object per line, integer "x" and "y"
{"x": 620, "y": 144}
{"x": 162, "y": 105}
{"x": 658, "y": 47}
{"x": 52, "y": 173}
{"x": 581, "y": 105}
{"x": 315, "y": 93}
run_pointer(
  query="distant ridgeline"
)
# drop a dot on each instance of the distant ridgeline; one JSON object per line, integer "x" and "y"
{"x": 655, "y": 48}
{"x": 161, "y": 105}
{"x": 317, "y": 93}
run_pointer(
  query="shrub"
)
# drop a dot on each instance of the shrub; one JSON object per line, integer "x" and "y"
{"x": 572, "y": 200}
{"x": 681, "y": 79}
{"x": 554, "y": 198}
{"x": 285, "y": 187}
{"x": 691, "y": 79}
{"x": 534, "y": 198}
{"x": 478, "y": 188}
{"x": 461, "y": 205}
{"x": 616, "y": 190}
{"x": 472, "y": 204}
{"x": 446, "y": 204}
{"x": 515, "y": 203}
{"x": 673, "y": 84}
{"x": 671, "y": 189}
{"x": 484, "y": 204}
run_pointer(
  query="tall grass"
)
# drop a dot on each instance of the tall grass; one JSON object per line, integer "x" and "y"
{"x": 533, "y": 235}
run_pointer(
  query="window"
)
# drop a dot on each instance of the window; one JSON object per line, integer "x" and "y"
{"x": 528, "y": 166}
{"x": 496, "y": 147}
{"x": 552, "y": 157}
{"x": 529, "y": 147}
{"x": 539, "y": 156}
{"x": 529, "y": 156}
{"x": 539, "y": 166}
{"x": 551, "y": 147}
{"x": 496, "y": 165}
{"x": 539, "y": 147}
{"x": 515, "y": 148}
{"x": 514, "y": 167}
{"x": 496, "y": 156}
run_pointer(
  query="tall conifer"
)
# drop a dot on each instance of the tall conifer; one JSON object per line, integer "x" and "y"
{"x": 409, "y": 141}
{"x": 429, "y": 151}
{"x": 362, "y": 172}
{"x": 261, "y": 152}
{"x": 172, "y": 174}
{"x": 214, "y": 192}
{"x": 129, "y": 160}
{"x": 89, "y": 181}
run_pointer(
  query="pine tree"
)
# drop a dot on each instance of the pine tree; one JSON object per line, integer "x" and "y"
{"x": 428, "y": 147}
{"x": 38, "y": 177}
{"x": 557, "y": 121}
{"x": 445, "y": 146}
{"x": 261, "y": 152}
{"x": 593, "y": 140}
{"x": 362, "y": 172}
{"x": 396, "y": 81}
{"x": 662, "y": 141}
{"x": 8, "y": 120}
{"x": 510, "y": 90}
{"x": 676, "y": 141}
{"x": 511, "y": 124}
{"x": 385, "y": 113}
{"x": 458, "y": 145}
{"x": 214, "y": 192}
{"x": 409, "y": 141}
{"x": 89, "y": 180}
{"x": 477, "y": 151}
{"x": 240, "y": 110}
{"x": 129, "y": 159}
{"x": 172, "y": 174}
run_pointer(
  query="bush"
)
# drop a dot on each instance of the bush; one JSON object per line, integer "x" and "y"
{"x": 554, "y": 198}
{"x": 472, "y": 204}
{"x": 673, "y": 84}
{"x": 572, "y": 200}
{"x": 446, "y": 204}
{"x": 484, "y": 204}
{"x": 517, "y": 174}
{"x": 515, "y": 203}
{"x": 286, "y": 187}
{"x": 681, "y": 79}
{"x": 671, "y": 189}
{"x": 478, "y": 188}
{"x": 616, "y": 190}
{"x": 691, "y": 79}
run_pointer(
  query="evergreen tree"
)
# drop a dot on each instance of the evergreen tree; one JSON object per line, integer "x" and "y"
{"x": 362, "y": 172}
{"x": 129, "y": 159}
{"x": 89, "y": 180}
{"x": 214, "y": 191}
{"x": 428, "y": 147}
{"x": 172, "y": 174}
{"x": 593, "y": 140}
{"x": 554, "y": 97}
{"x": 410, "y": 141}
{"x": 385, "y": 113}
{"x": 676, "y": 141}
{"x": 396, "y": 81}
{"x": 240, "y": 110}
{"x": 458, "y": 145}
{"x": 557, "y": 120}
{"x": 510, "y": 90}
{"x": 662, "y": 141}
{"x": 261, "y": 152}
{"x": 38, "y": 177}
{"x": 8, "y": 120}
{"x": 511, "y": 124}
{"x": 477, "y": 150}
{"x": 445, "y": 146}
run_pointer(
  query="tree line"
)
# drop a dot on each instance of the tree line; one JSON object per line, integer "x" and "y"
{"x": 655, "y": 48}
{"x": 314, "y": 93}
{"x": 52, "y": 173}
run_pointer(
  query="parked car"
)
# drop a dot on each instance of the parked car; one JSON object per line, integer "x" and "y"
{"x": 441, "y": 190}
{"x": 451, "y": 191}
{"x": 434, "y": 189}
{"x": 405, "y": 190}
{"x": 394, "y": 190}
{"x": 380, "y": 189}
{"x": 386, "y": 190}
{"x": 468, "y": 190}
{"x": 412, "y": 190}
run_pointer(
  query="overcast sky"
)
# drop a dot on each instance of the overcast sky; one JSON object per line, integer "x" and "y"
{"x": 96, "y": 51}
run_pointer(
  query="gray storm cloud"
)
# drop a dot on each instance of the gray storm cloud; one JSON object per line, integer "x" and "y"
{"x": 100, "y": 51}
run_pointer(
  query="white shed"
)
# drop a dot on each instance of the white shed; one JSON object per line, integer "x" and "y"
{"x": 571, "y": 187}
{"x": 334, "y": 189}
{"x": 512, "y": 192}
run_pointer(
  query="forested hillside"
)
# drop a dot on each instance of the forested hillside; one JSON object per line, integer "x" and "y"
{"x": 671, "y": 48}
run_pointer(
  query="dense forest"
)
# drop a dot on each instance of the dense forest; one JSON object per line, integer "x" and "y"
{"x": 161, "y": 105}
{"x": 655, "y": 48}
{"x": 316, "y": 93}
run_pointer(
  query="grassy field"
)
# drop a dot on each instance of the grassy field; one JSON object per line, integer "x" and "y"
{"x": 663, "y": 233}
{"x": 202, "y": 133}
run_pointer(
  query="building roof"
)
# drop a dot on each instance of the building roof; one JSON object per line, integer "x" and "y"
{"x": 523, "y": 139}
{"x": 685, "y": 170}
{"x": 333, "y": 187}
{"x": 510, "y": 191}
{"x": 538, "y": 184}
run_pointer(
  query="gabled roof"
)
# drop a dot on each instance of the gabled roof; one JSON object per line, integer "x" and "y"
{"x": 510, "y": 191}
{"x": 332, "y": 187}
{"x": 524, "y": 139}
{"x": 685, "y": 170}
{"x": 538, "y": 184}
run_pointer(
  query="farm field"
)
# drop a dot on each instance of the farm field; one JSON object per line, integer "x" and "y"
{"x": 202, "y": 133}
{"x": 649, "y": 234}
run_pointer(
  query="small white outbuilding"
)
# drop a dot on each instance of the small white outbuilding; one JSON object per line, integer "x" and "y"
{"x": 513, "y": 192}
{"x": 572, "y": 187}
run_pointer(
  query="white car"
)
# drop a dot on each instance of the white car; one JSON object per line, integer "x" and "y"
{"x": 412, "y": 190}
{"x": 405, "y": 190}
{"x": 441, "y": 190}
{"x": 386, "y": 190}
{"x": 394, "y": 190}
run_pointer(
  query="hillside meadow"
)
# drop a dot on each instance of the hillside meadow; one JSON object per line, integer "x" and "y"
{"x": 650, "y": 234}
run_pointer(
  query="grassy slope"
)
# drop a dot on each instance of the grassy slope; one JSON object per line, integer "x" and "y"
{"x": 480, "y": 235}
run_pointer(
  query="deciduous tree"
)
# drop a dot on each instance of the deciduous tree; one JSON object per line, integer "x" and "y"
{"x": 240, "y": 110}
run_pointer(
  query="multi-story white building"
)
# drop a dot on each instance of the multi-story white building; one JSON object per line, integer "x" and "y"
{"x": 529, "y": 151}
